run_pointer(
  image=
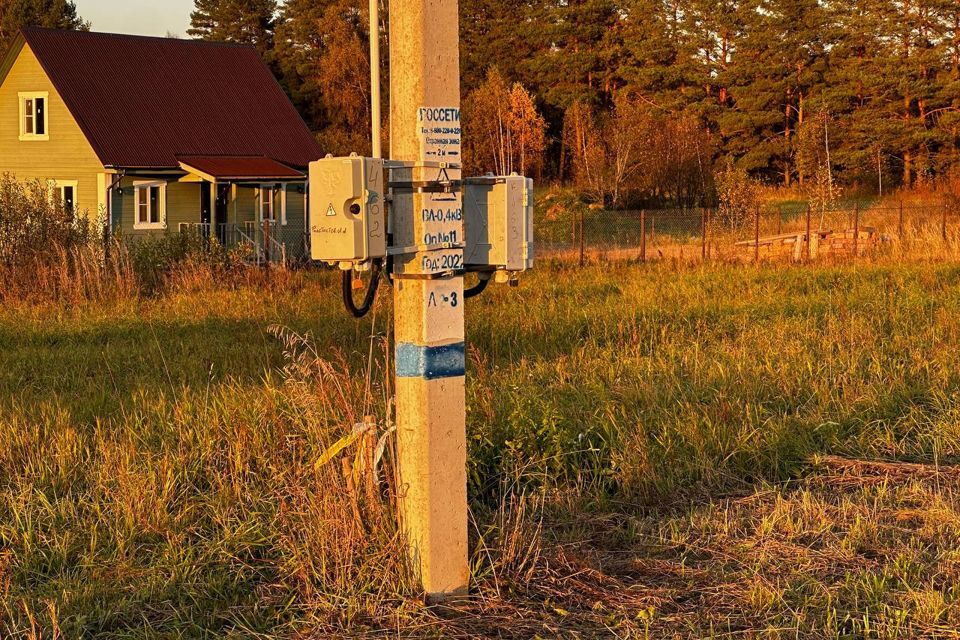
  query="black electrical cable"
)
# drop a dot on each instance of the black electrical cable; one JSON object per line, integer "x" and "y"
{"x": 477, "y": 289}
{"x": 348, "y": 301}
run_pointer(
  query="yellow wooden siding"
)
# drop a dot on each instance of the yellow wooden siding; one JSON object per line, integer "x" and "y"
{"x": 65, "y": 156}
{"x": 296, "y": 205}
{"x": 248, "y": 206}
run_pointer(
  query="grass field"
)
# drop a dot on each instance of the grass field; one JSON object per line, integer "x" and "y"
{"x": 718, "y": 452}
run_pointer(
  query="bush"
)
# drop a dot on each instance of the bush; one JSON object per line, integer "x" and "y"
{"x": 48, "y": 252}
{"x": 51, "y": 254}
{"x": 33, "y": 225}
{"x": 739, "y": 196}
{"x": 155, "y": 259}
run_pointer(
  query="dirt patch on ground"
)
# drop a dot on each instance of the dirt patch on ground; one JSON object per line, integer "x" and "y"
{"x": 858, "y": 549}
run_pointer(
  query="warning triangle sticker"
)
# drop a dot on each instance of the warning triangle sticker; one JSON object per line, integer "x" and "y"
{"x": 331, "y": 212}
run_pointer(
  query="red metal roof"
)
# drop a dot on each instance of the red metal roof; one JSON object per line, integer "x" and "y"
{"x": 240, "y": 167}
{"x": 143, "y": 101}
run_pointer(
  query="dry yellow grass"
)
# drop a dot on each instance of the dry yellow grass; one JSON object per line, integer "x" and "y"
{"x": 656, "y": 452}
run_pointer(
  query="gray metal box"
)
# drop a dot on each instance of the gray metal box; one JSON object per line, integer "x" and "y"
{"x": 498, "y": 223}
{"x": 348, "y": 224}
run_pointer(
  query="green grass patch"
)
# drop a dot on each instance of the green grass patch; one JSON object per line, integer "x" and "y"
{"x": 157, "y": 465}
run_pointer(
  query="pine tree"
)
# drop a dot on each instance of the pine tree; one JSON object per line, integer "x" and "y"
{"x": 323, "y": 53}
{"x": 242, "y": 21}
{"x": 948, "y": 119}
{"x": 581, "y": 57}
{"x": 495, "y": 34}
{"x": 891, "y": 83}
{"x": 713, "y": 29}
{"x": 659, "y": 57}
{"x": 859, "y": 92}
{"x": 779, "y": 62}
{"x": 53, "y": 14}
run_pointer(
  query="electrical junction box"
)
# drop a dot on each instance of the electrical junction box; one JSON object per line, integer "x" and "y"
{"x": 498, "y": 224}
{"x": 348, "y": 222}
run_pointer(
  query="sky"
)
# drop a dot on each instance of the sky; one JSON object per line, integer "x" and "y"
{"x": 141, "y": 17}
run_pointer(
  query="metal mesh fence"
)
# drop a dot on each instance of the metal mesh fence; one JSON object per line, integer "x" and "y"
{"x": 257, "y": 242}
{"x": 796, "y": 233}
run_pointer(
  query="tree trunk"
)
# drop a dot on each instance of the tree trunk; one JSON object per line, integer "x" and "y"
{"x": 787, "y": 170}
{"x": 800, "y": 127}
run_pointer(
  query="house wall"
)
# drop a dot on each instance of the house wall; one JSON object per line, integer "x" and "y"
{"x": 248, "y": 206}
{"x": 183, "y": 206}
{"x": 66, "y": 156}
{"x": 292, "y": 234}
{"x": 296, "y": 206}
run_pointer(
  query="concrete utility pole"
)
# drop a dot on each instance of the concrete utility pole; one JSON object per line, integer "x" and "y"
{"x": 428, "y": 298}
{"x": 415, "y": 218}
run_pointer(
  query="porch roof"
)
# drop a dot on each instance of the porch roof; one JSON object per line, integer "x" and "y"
{"x": 238, "y": 168}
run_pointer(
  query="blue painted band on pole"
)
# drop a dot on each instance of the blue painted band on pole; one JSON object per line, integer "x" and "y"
{"x": 431, "y": 363}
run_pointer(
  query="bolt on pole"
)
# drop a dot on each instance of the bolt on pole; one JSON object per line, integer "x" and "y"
{"x": 428, "y": 303}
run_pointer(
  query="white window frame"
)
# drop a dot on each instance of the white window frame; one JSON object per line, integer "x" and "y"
{"x": 22, "y": 99}
{"x": 57, "y": 186}
{"x": 161, "y": 223}
{"x": 274, "y": 189}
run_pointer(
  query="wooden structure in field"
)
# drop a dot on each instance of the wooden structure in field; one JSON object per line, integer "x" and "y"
{"x": 821, "y": 244}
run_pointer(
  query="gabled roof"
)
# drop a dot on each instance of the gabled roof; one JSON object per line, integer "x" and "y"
{"x": 238, "y": 168}
{"x": 142, "y": 102}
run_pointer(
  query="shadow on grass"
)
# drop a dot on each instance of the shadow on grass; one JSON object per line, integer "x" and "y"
{"x": 96, "y": 370}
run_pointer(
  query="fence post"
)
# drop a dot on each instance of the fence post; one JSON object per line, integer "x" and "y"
{"x": 643, "y": 235}
{"x": 809, "y": 233}
{"x": 703, "y": 234}
{"x": 756, "y": 236}
{"x": 583, "y": 243}
{"x": 943, "y": 223}
{"x": 709, "y": 231}
{"x": 266, "y": 244}
{"x": 779, "y": 220}
{"x": 900, "y": 222}
{"x": 856, "y": 230}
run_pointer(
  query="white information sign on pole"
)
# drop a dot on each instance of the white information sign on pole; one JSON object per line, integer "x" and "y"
{"x": 443, "y": 312}
{"x": 435, "y": 246}
{"x": 440, "y": 221}
{"x": 441, "y": 137}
